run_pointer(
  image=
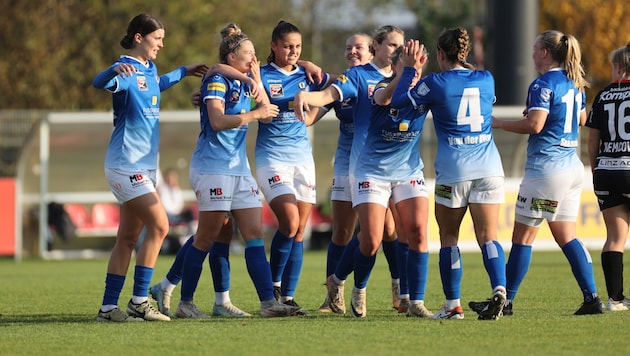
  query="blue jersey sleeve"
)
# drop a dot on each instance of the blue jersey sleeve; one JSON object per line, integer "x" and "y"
{"x": 171, "y": 78}
{"x": 106, "y": 79}
{"x": 400, "y": 98}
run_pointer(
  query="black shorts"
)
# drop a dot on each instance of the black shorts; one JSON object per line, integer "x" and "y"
{"x": 612, "y": 188}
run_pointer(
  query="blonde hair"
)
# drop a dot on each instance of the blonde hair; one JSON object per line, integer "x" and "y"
{"x": 565, "y": 49}
{"x": 231, "y": 39}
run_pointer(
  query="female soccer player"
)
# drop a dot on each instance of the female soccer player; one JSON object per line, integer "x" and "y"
{"x": 357, "y": 52}
{"x": 285, "y": 169}
{"x": 222, "y": 180}
{"x": 356, "y": 83}
{"x": 469, "y": 173}
{"x": 554, "y": 173}
{"x": 608, "y": 143}
{"x": 131, "y": 164}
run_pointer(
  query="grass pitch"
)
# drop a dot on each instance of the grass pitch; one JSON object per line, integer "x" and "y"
{"x": 49, "y": 307}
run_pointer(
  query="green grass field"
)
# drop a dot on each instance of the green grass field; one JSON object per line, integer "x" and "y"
{"x": 50, "y": 308}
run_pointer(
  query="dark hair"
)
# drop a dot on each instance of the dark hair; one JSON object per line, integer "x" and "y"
{"x": 621, "y": 56}
{"x": 231, "y": 39}
{"x": 282, "y": 29}
{"x": 565, "y": 49}
{"x": 142, "y": 24}
{"x": 455, "y": 44}
{"x": 381, "y": 33}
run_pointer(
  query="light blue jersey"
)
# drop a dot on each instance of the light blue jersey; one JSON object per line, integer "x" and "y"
{"x": 461, "y": 103}
{"x": 222, "y": 152}
{"x": 554, "y": 149}
{"x": 358, "y": 83}
{"x": 391, "y": 149}
{"x": 343, "y": 111}
{"x": 135, "y": 139}
{"x": 284, "y": 140}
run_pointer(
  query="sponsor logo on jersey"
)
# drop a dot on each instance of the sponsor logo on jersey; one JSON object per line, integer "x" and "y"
{"x": 154, "y": 100}
{"x": 423, "y": 89}
{"x": 214, "y": 86}
{"x": 545, "y": 94}
{"x": 276, "y": 90}
{"x": 342, "y": 79}
{"x": 142, "y": 83}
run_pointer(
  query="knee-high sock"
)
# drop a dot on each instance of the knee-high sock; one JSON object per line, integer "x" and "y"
{"x": 582, "y": 267}
{"x": 403, "y": 255}
{"x": 345, "y": 266}
{"x": 451, "y": 270}
{"x": 389, "y": 249}
{"x": 174, "y": 274}
{"x": 280, "y": 250}
{"x": 418, "y": 270}
{"x": 333, "y": 257}
{"x": 258, "y": 268}
{"x": 516, "y": 268}
{"x": 293, "y": 268}
{"x": 363, "y": 266}
{"x": 193, "y": 264}
{"x": 113, "y": 286}
{"x": 141, "y": 281}
{"x": 612, "y": 264}
{"x": 494, "y": 261}
{"x": 219, "y": 260}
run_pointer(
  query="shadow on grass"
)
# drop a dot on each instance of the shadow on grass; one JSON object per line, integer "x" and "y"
{"x": 8, "y": 319}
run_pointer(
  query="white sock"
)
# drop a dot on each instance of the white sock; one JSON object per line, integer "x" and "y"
{"x": 452, "y": 303}
{"x": 138, "y": 300}
{"x": 221, "y": 298}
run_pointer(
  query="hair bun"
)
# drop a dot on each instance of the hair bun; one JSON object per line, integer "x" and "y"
{"x": 231, "y": 29}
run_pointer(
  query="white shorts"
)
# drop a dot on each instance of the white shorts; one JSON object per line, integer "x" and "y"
{"x": 555, "y": 198}
{"x": 488, "y": 190}
{"x": 340, "y": 189}
{"x": 370, "y": 190}
{"x": 217, "y": 192}
{"x": 127, "y": 185}
{"x": 275, "y": 181}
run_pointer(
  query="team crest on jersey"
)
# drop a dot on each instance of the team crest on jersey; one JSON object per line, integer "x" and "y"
{"x": 142, "y": 83}
{"x": 235, "y": 97}
{"x": 370, "y": 90}
{"x": 276, "y": 90}
{"x": 302, "y": 85}
{"x": 423, "y": 89}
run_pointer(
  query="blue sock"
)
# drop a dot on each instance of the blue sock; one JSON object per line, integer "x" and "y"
{"x": 389, "y": 249}
{"x": 193, "y": 264}
{"x": 516, "y": 268}
{"x": 113, "y": 286}
{"x": 258, "y": 268}
{"x": 292, "y": 271}
{"x": 494, "y": 261}
{"x": 582, "y": 267}
{"x": 451, "y": 270}
{"x": 403, "y": 256}
{"x": 418, "y": 273}
{"x": 363, "y": 266}
{"x": 345, "y": 266}
{"x": 141, "y": 280}
{"x": 333, "y": 257}
{"x": 280, "y": 250}
{"x": 219, "y": 260}
{"x": 174, "y": 274}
